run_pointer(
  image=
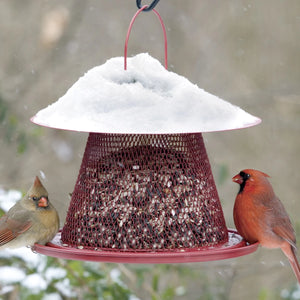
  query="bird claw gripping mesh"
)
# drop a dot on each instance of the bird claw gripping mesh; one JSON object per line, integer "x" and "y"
{"x": 145, "y": 193}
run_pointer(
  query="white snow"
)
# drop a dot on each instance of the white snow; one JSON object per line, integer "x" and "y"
{"x": 180, "y": 290}
{"x": 296, "y": 294}
{"x": 34, "y": 282}
{"x": 6, "y": 289}
{"x": 11, "y": 275}
{"x": 55, "y": 273}
{"x": 52, "y": 296}
{"x": 9, "y": 198}
{"x": 32, "y": 259}
{"x": 65, "y": 288}
{"x": 145, "y": 98}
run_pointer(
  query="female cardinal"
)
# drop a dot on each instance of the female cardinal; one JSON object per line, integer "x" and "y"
{"x": 31, "y": 220}
{"x": 259, "y": 216}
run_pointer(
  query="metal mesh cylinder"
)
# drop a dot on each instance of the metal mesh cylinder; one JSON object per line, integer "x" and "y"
{"x": 145, "y": 193}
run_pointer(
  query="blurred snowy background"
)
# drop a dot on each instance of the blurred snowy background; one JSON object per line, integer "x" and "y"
{"x": 246, "y": 52}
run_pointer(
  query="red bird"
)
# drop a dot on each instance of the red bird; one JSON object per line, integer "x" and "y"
{"x": 259, "y": 216}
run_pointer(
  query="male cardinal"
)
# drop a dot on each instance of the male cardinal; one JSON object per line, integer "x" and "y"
{"x": 31, "y": 220}
{"x": 259, "y": 216}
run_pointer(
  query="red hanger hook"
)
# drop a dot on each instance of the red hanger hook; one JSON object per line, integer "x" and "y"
{"x": 129, "y": 30}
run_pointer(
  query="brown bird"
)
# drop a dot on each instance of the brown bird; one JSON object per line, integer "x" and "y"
{"x": 31, "y": 220}
{"x": 259, "y": 216}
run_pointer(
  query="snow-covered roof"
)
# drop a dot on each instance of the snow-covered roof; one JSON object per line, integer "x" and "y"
{"x": 145, "y": 98}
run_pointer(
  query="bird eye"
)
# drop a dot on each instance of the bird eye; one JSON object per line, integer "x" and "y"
{"x": 35, "y": 198}
{"x": 244, "y": 175}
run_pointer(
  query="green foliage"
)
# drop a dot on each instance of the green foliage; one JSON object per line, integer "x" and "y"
{"x": 154, "y": 279}
{"x": 69, "y": 280}
{"x": 72, "y": 279}
{"x": 263, "y": 294}
{"x": 222, "y": 174}
{"x": 2, "y": 212}
{"x": 297, "y": 229}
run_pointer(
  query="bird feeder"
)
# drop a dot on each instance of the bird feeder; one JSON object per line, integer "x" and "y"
{"x": 145, "y": 192}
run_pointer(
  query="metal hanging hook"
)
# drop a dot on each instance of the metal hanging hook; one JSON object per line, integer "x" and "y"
{"x": 129, "y": 30}
{"x": 150, "y": 7}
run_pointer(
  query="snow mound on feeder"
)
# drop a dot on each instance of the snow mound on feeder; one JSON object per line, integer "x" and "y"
{"x": 145, "y": 98}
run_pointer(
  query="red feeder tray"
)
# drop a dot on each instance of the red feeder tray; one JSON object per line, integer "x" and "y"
{"x": 235, "y": 247}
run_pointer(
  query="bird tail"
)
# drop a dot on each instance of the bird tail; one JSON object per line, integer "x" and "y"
{"x": 294, "y": 263}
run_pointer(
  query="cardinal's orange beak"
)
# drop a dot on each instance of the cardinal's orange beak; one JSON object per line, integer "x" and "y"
{"x": 238, "y": 179}
{"x": 43, "y": 202}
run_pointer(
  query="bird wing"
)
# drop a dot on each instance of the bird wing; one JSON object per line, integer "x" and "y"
{"x": 286, "y": 232}
{"x": 282, "y": 225}
{"x": 11, "y": 228}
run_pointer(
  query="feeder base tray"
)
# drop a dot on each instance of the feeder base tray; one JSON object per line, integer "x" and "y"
{"x": 235, "y": 247}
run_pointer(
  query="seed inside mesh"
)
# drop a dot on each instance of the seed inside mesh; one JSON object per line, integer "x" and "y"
{"x": 141, "y": 194}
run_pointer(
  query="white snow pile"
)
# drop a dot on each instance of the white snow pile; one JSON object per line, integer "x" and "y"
{"x": 9, "y": 198}
{"x": 145, "y": 98}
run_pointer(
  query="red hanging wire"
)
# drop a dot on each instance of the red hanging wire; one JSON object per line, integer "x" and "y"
{"x": 129, "y": 30}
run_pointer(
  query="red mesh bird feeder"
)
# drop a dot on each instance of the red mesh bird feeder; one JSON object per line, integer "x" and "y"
{"x": 145, "y": 192}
